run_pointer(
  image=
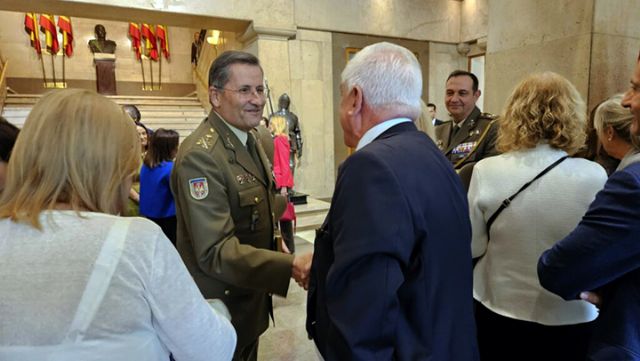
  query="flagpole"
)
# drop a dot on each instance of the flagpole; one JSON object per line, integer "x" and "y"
{"x": 151, "y": 71}
{"x": 64, "y": 79}
{"x": 44, "y": 74}
{"x": 160, "y": 75}
{"x": 53, "y": 67}
{"x": 144, "y": 82}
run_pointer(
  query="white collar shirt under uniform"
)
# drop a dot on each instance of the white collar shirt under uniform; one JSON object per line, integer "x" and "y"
{"x": 505, "y": 279}
{"x": 151, "y": 305}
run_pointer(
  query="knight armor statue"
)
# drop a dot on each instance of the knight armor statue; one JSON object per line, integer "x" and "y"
{"x": 295, "y": 137}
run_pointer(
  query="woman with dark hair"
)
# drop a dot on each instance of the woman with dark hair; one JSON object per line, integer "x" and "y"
{"x": 8, "y": 135}
{"x": 156, "y": 200}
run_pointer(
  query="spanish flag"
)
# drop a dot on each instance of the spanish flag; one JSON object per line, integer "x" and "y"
{"x": 134, "y": 33}
{"x": 48, "y": 27}
{"x": 151, "y": 45}
{"x": 64, "y": 23}
{"x": 31, "y": 27}
{"x": 163, "y": 37}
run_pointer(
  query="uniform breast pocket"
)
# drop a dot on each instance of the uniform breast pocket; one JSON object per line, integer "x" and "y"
{"x": 252, "y": 201}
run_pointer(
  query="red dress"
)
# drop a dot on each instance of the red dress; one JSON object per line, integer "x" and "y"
{"x": 281, "y": 169}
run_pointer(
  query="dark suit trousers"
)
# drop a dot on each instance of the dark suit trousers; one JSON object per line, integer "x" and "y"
{"x": 247, "y": 353}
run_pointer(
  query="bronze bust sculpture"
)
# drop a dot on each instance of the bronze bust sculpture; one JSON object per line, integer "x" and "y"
{"x": 100, "y": 44}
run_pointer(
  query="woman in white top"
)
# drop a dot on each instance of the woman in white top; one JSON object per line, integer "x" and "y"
{"x": 78, "y": 282}
{"x": 543, "y": 121}
{"x": 613, "y": 122}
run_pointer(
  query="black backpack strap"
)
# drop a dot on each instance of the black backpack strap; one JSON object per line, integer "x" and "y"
{"x": 507, "y": 202}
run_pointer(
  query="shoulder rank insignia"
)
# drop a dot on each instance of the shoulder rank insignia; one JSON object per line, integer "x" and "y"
{"x": 199, "y": 188}
{"x": 206, "y": 141}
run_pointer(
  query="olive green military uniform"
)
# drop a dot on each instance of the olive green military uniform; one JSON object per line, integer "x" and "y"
{"x": 225, "y": 212}
{"x": 470, "y": 143}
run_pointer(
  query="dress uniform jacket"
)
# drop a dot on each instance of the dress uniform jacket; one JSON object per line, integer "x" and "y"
{"x": 225, "y": 212}
{"x": 468, "y": 139}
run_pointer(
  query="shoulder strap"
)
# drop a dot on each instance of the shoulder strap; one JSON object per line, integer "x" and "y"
{"x": 99, "y": 280}
{"x": 507, "y": 202}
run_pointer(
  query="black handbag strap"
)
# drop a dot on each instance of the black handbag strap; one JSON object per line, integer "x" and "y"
{"x": 507, "y": 202}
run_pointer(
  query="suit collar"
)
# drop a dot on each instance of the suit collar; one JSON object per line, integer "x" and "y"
{"x": 238, "y": 151}
{"x": 373, "y": 133}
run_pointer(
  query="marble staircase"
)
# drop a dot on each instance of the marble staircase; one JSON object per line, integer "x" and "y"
{"x": 182, "y": 114}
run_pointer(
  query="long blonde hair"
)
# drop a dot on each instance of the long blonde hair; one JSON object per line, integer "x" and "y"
{"x": 77, "y": 148}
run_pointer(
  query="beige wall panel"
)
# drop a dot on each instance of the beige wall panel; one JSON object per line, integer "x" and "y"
{"x": 526, "y": 23}
{"x": 416, "y": 19}
{"x": 474, "y": 19}
{"x": 568, "y": 57}
{"x": 311, "y": 96}
{"x": 617, "y": 17}
{"x": 612, "y": 63}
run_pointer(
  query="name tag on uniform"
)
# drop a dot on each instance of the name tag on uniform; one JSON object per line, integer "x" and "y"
{"x": 464, "y": 148}
{"x": 199, "y": 188}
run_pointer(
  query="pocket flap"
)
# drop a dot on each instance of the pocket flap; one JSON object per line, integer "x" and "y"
{"x": 250, "y": 196}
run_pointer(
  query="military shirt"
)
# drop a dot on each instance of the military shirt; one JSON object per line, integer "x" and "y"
{"x": 468, "y": 144}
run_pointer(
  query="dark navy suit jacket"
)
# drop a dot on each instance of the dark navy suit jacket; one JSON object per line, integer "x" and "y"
{"x": 603, "y": 254}
{"x": 391, "y": 276}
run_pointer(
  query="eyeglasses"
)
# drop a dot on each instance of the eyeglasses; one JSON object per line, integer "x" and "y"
{"x": 247, "y": 91}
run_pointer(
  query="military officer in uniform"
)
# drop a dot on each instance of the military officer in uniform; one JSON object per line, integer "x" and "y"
{"x": 224, "y": 192}
{"x": 471, "y": 134}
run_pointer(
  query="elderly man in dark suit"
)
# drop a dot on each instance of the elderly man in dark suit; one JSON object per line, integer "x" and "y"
{"x": 391, "y": 274}
{"x": 225, "y": 204}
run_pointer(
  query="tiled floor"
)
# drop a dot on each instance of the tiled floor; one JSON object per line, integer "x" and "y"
{"x": 287, "y": 341}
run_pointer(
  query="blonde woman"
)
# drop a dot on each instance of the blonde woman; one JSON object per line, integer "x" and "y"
{"x": 78, "y": 281}
{"x": 543, "y": 122}
{"x": 282, "y": 173}
{"x": 613, "y": 123}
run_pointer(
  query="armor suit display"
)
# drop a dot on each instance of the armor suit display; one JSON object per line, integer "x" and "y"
{"x": 295, "y": 137}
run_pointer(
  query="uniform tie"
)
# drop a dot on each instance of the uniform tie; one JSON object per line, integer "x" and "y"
{"x": 454, "y": 130}
{"x": 253, "y": 151}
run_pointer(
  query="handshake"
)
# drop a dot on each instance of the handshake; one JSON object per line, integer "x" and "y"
{"x": 300, "y": 269}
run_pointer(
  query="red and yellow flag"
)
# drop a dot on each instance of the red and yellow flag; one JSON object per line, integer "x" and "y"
{"x": 151, "y": 45}
{"x": 31, "y": 27}
{"x": 48, "y": 27}
{"x": 64, "y": 23}
{"x": 134, "y": 33}
{"x": 163, "y": 37}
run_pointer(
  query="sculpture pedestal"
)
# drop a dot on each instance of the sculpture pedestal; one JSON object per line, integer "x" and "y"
{"x": 105, "y": 73}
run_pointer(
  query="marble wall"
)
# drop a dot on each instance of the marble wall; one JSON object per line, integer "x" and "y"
{"x": 556, "y": 37}
{"x": 311, "y": 96}
{"x": 615, "y": 46}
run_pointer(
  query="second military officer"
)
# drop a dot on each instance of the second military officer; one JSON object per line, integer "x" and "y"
{"x": 470, "y": 135}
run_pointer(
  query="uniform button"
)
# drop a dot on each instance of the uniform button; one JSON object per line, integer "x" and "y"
{"x": 227, "y": 292}
{"x": 256, "y": 199}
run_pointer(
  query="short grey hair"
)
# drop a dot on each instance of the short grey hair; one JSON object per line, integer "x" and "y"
{"x": 611, "y": 113}
{"x": 388, "y": 74}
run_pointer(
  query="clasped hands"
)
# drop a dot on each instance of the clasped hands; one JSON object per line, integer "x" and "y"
{"x": 300, "y": 269}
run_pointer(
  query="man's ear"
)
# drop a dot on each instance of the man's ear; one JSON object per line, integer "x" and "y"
{"x": 214, "y": 96}
{"x": 477, "y": 93}
{"x": 355, "y": 99}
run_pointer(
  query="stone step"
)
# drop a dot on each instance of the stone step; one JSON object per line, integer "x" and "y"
{"x": 138, "y": 101}
{"x": 311, "y": 215}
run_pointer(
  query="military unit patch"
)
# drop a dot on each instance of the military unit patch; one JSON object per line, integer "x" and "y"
{"x": 199, "y": 188}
